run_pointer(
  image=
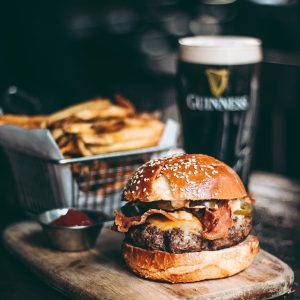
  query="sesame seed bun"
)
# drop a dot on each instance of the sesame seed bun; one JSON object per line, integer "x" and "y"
{"x": 182, "y": 177}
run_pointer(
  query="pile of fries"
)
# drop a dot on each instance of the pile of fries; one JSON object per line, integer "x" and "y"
{"x": 95, "y": 127}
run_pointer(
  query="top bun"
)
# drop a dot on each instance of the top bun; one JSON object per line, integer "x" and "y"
{"x": 184, "y": 177}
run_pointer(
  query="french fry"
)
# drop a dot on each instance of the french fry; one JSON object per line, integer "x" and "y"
{"x": 96, "y": 104}
{"x": 37, "y": 121}
{"x": 57, "y": 133}
{"x": 153, "y": 115}
{"x": 109, "y": 112}
{"x": 22, "y": 120}
{"x": 63, "y": 140}
{"x": 82, "y": 148}
{"x": 123, "y": 102}
{"x": 149, "y": 141}
{"x": 136, "y": 122}
{"x": 75, "y": 128}
{"x": 123, "y": 135}
{"x": 110, "y": 125}
{"x": 68, "y": 147}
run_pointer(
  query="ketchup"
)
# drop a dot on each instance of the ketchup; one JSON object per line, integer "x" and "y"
{"x": 73, "y": 218}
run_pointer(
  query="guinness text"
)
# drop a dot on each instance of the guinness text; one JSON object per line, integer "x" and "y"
{"x": 232, "y": 103}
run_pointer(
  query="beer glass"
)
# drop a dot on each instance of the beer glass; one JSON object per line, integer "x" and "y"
{"x": 217, "y": 85}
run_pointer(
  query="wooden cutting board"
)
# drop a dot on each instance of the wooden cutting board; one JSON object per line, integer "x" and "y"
{"x": 100, "y": 273}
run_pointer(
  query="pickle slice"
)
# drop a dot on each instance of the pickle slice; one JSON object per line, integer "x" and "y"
{"x": 246, "y": 209}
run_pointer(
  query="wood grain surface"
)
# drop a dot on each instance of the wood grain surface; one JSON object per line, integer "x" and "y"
{"x": 100, "y": 273}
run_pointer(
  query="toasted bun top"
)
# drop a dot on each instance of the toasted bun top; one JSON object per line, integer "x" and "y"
{"x": 184, "y": 177}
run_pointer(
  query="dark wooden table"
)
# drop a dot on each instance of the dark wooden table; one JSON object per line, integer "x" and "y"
{"x": 16, "y": 281}
{"x": 277, "y": 223}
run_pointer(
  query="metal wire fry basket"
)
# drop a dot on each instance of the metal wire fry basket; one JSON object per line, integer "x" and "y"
{"x": 88, "y": 182}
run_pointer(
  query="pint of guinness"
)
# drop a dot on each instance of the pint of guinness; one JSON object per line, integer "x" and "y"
{"x": 217, "y": 82}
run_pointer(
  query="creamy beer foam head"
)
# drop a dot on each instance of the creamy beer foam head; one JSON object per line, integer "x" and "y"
{"x": 220, "y": 50}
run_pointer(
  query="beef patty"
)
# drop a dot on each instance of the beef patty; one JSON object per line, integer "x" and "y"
{"x": 149, "y": 236}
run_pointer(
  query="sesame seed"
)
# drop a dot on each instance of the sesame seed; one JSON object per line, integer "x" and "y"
{"x": 207, "y": 174}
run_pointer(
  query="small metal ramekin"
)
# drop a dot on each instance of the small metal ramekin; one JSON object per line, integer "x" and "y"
{"x": 75, "y": 238}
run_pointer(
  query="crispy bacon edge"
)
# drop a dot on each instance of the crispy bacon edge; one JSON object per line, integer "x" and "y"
{"x": 123, "y": 223}
{"x": 249, "y": 198}
{"x": 216, "y": 223}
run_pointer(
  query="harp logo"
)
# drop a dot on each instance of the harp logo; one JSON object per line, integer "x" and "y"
{"x": 218, "y": 80}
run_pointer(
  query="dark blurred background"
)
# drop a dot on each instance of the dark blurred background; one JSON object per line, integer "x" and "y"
{"x": 68, "y": 51}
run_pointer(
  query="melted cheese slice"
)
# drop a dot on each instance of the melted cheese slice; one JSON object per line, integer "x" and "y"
{"x": 184, "y": 221}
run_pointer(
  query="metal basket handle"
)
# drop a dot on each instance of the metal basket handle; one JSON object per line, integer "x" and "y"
{"x": 18, "y": 101}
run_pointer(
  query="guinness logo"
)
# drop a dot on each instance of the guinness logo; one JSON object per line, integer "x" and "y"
{"x": 218, "y": 80}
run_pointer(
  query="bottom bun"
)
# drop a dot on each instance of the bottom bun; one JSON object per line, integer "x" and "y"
{"x": 191, "y": 266}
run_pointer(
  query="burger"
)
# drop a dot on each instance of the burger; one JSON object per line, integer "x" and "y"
{"x": 187, "y": 218}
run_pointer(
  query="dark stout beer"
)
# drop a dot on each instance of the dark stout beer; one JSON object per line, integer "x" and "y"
{"x": 217, "y": 97}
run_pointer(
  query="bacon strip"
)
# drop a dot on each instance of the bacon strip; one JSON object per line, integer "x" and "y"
{"x": 249, "y": 198}
{"x": 216, "y": 223}
{"x": 123, "y": 223}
